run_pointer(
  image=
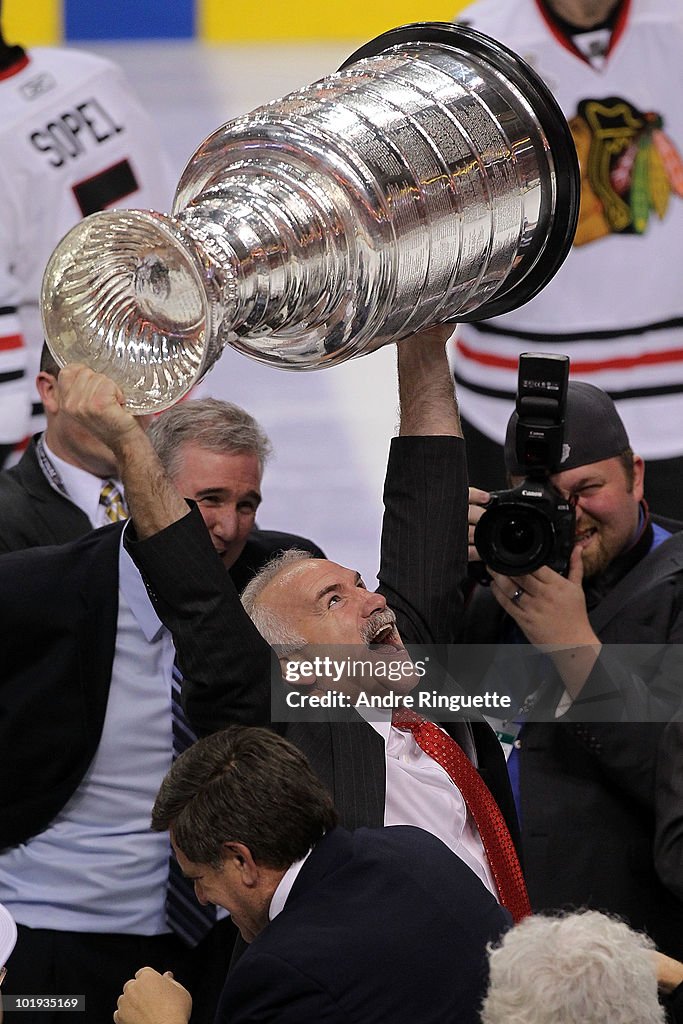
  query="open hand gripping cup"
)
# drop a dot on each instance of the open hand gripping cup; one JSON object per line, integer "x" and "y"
{"x": 433, "y": 177}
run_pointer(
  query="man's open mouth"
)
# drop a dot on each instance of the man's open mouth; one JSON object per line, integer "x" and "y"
{"x": 383, "y": 635}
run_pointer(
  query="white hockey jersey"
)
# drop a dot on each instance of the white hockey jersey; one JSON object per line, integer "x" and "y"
{"x": 616, "y": 305}
{"x": 73, "y": 140}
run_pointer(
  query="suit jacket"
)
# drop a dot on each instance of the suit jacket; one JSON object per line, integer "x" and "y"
{"x": 594, "y": 794}
{"x": 58, "y": 616}
{"x": 424, "y": 550}
{"x": 382, "y": 925}
{"x": 33, "y": 513}
{"x": 58, "y": 611}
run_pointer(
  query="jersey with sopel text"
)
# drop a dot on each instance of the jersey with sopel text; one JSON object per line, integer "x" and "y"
{"x": 616, "y": 305}
{"x": 73, "y": 140}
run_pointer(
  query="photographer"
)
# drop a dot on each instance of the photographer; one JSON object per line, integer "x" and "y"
{"x": 585, "y": 789}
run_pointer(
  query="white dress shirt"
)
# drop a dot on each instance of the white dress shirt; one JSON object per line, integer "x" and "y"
{"x": 81, "y": 487}
{"x": 420, "y": 792}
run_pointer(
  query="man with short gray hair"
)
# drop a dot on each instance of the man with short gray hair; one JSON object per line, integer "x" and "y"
{"x": 124, "y": 675}
{"x": 215, "y": 453}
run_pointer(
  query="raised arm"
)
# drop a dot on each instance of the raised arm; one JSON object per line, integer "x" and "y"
{"x": 224, "y": 660}
{"x": 425, "y": 385}
{"x": 97, "y": 404}
{"x": 424, "y": 533}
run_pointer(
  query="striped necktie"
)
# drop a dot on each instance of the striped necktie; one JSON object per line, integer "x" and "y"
{"x": 494, "y": 833}
{"x": 184, "y": 913}
{"x": 112, "y": 501}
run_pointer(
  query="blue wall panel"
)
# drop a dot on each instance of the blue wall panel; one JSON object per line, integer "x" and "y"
{"x": 129, "y": 19}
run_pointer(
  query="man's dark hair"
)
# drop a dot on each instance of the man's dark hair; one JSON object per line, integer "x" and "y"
{"x": 244, "y": 785}
{"x": 48, "y": 363}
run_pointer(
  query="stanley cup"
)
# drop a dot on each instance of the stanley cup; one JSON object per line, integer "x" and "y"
{"x": 432, "y": 178}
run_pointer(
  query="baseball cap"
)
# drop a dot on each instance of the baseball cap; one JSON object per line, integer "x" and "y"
{"x": 8, "y": 934}
{"x": 593, "y": 430}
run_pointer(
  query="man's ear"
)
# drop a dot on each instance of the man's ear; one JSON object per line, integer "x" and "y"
{"x": 46, "y": 383}
{"x": 237, "y": 858}
{"x": 638, "y": 477}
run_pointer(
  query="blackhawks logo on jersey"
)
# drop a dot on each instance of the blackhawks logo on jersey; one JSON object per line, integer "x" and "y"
{"x": 630, "y": 168}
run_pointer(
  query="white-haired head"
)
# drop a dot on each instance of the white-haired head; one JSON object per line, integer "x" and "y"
{"x": 581, "y": 968}
{"x": 272, "y": 627}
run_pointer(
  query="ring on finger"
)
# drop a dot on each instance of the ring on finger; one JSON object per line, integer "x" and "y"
{"x": 517, "y": 596}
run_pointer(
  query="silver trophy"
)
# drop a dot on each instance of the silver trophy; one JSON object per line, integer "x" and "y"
{"x": 432, "y": 178}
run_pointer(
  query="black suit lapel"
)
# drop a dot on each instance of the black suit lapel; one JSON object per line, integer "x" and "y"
{"x": 359, "y": 774}
{"x": 99, "y": 593}
{"x": 348, "y": 757}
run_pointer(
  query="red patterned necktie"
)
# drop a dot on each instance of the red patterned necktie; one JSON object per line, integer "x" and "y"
{"x": 494, "y": 833}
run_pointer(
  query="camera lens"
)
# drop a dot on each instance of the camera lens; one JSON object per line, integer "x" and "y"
{"x": 518, "y": 537}
{"x": 514, "y": 539}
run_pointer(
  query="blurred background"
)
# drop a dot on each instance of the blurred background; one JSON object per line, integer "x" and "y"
{"x": 196, "y": 64}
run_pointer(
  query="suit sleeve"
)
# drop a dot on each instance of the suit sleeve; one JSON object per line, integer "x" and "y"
{"x": 268, "y": 989}
{"x": 424, "y": 536}
{"x": 225, "y": 661}
{"x": 632, "y": 683}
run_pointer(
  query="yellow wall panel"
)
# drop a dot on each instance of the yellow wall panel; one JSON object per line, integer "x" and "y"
{"x": 40, "y": 22}
{"x": 219, "y": 21}
{"x": 32, "y": 22}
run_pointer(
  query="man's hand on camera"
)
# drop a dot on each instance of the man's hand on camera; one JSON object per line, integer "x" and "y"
{"x": 551, "y": 612}
{"x": 547, "y": 607}
{"x": 477, "y": 506}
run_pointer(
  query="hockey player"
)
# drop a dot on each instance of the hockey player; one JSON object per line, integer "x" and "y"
{"x": 73, "y": 140}
{"x": 616, "y": 305}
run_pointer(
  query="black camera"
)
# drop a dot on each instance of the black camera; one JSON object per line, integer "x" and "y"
{"x": 532, "y": 524}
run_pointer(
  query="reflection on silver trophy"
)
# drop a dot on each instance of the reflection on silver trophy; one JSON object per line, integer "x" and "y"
{"x": 433, "y": 177}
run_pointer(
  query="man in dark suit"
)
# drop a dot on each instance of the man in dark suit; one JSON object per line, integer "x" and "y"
{"x": 225, "y": 661}
{"x": 52, "y": 495}
{"x": 378, "y": 774}
{"x": 590, "y": 761}
{"x": 73, "y": 614}
{"x": 328, "y": 915}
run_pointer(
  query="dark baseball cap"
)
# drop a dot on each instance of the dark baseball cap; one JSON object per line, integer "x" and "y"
{"x": 593, "y": 430}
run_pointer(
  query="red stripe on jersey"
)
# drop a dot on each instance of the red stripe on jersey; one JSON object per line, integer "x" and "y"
{"x": 620, "y": 26}
{"x": 555, "y": 31}
{"x": 13, "y": 69}
{"x": 568, "y": 44}
{"x": 10, "y": 341}
{"x": 578, "y": 366}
